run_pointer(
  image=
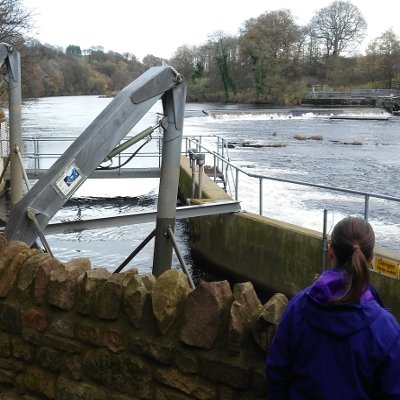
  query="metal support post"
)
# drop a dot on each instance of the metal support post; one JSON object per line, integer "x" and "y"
{"x": 174, "y": 106}
{"x": 21, "y": 164}
{"x": 14, "y": 84}
{"x": 215, "y": 168}
{"x": 237, "y": 185}
{"x": 366, "y": 207}
{"x": 192, "y": 157}
{"x": 31, "y": 214}
{"x": 180, "y": 258}
{"x": 135, "y": 252}
{"x": 200, "y": 162}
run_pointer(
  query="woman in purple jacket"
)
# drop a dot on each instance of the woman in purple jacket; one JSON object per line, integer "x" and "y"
{"x": 335, "y": 341}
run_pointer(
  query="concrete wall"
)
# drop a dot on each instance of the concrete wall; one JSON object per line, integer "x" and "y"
{"x": 279, "y": 257}
{"x": 69, "y": 332}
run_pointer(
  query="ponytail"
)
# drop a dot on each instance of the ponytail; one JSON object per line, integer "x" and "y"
{"x": 353, "y": 242}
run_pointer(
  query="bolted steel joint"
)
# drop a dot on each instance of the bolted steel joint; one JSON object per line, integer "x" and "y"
{"x": 178, "y": 79}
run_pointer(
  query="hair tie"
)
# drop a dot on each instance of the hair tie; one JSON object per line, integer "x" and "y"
{"x": 355, "y": 247}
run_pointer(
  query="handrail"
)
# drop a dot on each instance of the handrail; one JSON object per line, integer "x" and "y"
{"x": 370, "y": 93}
{"x": 220, "y": 158}
{"x": 367, "y": 195}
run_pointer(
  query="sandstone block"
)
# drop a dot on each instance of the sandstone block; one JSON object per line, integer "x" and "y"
{"x": 168, "y": 296}
{"x": 89, "y": 284}
{"x": 114, "y": 341}
{"x": 204, "y": 309}
{"x": 72, "y": 390}
{"x": 122, "y": 372}
{"x": 40, "y": 381}
{"x": 28, "y": 272}
{"x": 229, "y": 371}
{"x": 34, "y": 319}
{"x": 10, "y": 265}
{"x": 42, "y": 278}
{"x": 245, "y": 306}
{"x": 192, "y": 385}
{"x": 62, "y": 283}
{"x": 268, "y": 320}
{"x": 109, "y": 297}
{"x": 135, "y": 297}
{"x": 89, "y": 333}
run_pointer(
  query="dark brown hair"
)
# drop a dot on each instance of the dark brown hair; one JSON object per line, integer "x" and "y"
{"x": 353, "y": 242}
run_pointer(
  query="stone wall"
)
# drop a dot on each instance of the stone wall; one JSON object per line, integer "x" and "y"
{"x": 70, "y": 332}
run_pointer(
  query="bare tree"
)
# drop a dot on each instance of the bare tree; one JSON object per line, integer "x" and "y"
{"x": 338, "y": 27}
{"x": 15, "y": 22}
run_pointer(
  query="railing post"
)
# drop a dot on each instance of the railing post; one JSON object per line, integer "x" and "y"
{"x": 218, "y": 147}
{"x": 200, "y": 161}
{"x": 237, "y": 185}
{"x": 215, "y": 168}
{"x": 119, "y": 161}
{"x": 261, "y": 195}
{"x": 36, "y": 154}
{"x": 192, "y": 158}
{"x": 159, "y": 152}
{"x": 366, "y": 207}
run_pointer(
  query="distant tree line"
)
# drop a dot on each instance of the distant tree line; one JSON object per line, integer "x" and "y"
{"x": 272, "y": 59}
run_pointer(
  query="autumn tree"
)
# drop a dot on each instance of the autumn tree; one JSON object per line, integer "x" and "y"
{"x": 383, "y": 59}
{"x": 183, "y": 61}
{"x": 189, "y": 62}
{"x": 269, "y": 44}
{"x": 152, "y": 61}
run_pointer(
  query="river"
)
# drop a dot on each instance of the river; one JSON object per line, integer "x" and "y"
{"x": 300, "y": 144}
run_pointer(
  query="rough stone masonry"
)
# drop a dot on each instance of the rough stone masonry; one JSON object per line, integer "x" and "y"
{"x": 70, "y": 332}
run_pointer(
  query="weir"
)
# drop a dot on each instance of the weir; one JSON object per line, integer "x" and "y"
{"x": 385, "y": 98}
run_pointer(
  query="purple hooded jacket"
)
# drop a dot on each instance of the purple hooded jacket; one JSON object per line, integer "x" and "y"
{"x": 332, "y": 352}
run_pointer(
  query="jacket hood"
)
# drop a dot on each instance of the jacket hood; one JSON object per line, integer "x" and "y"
{"x": 337, "y": 320}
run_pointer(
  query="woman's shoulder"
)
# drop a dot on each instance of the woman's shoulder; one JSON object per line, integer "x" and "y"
{"x": 385, "y": 326}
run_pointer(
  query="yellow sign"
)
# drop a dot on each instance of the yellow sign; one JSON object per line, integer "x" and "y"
{"x": 387, "y": 267}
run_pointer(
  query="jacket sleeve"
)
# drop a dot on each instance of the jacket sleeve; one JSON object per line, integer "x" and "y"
{"x": 389, "y": 373}
{"x": 279, "y": 360}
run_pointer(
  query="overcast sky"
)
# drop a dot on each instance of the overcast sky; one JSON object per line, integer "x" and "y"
{"x": 159, "y": 27}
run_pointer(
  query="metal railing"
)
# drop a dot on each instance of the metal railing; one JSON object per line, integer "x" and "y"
{"x": 37, "y": 149}
{"x": 41, "y": 153}
{"x": 355, "y": 93}
{"x": 219, "y": 159}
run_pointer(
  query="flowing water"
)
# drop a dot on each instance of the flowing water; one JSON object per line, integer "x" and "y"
{"x": 311, "y": 146}
{"x": 299, "y": 144}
